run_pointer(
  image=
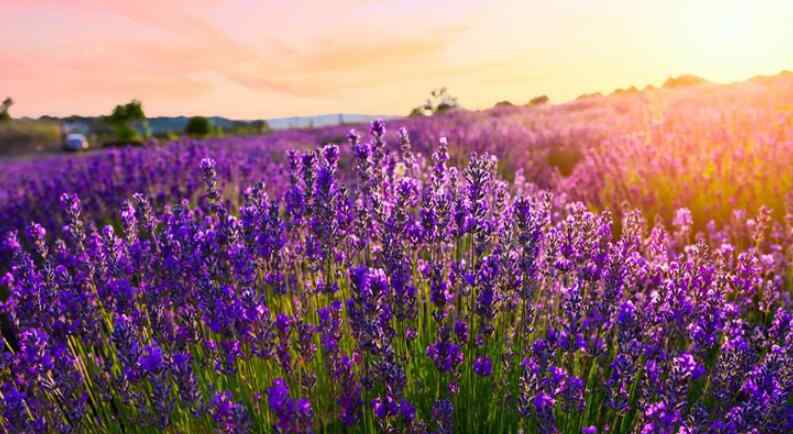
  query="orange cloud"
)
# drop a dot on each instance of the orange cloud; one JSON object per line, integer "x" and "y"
{"x": 360, "y": 51}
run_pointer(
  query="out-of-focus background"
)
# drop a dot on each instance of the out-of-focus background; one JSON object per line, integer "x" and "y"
{"x": 659, "y": 106}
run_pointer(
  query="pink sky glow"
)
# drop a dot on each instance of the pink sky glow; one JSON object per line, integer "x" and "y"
{"x": 259, "y": 59}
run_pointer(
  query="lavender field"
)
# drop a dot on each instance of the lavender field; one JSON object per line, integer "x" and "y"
{"x": 615, "y": 264}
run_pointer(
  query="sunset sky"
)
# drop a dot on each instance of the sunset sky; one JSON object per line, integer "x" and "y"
{"x": 260, "y": 59}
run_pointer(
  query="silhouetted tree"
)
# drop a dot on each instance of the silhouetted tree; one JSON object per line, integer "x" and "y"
{"x": 262, "y": 127}
{"x": 122, "y": 119}
{"x": 198, "y": 126}
{"x": 684, "y": 81}
{"x": 4, "y": 114}
{"x": 627, "y": 91}
{"x": 129, "y": 112}
{"x": 417, "y": 112}
{"x": 245, "y": 128}
{"x": 445, "y": 101}
{"x": 539, "y": 100}
{"x": 588, "y": 95}
{"x": 440, "y": 101}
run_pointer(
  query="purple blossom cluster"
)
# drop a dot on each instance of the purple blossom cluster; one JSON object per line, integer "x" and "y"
{"x": 401, "y": 294}
{"x": 30, "y": 189}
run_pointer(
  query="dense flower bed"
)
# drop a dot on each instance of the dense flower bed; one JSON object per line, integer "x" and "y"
{"x": 30, "y": 188}
{"x": 712, "y": 149}
{"x": 404, "y": 294}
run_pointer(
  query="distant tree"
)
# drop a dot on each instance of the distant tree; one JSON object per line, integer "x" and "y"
{"x": 626, "y": 91}
{"x": 247, "y": 128}
{"x": 504, "y": 104}
{"x": 125, "y": 118}
{"x": 684, "y": 80}
{"x": 588, "y": 95}
{"x": 443, "y": 100}
{"x": 198, "y": 126}
{"x": 262, "y": 127}
{"x": 125, "y": 134}
{"x": 440, "y": 101}
{"x": 4, "y": 114}
{"x": 166, "y": 135}
{"x": 539, "y": 100}
{"x": 417, "y": 112}
{"x": 129, "y": 112}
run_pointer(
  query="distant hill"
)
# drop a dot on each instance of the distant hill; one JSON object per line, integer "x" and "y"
{"x": 176, "y": 124}
{"x": 165, "y": 124}
{"x": 320, "y": 120}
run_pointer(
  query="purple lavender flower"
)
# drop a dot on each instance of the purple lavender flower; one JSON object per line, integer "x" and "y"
{"x": 151, "y": 361}
{"x": 293, "y": 415}
{"x": 185, "y": 378}
{"x": 337, "y": 270}
{"x": 443, "y": 412}
{"x": 446, "y": 354}
{"x": 229, "y": 416}
{"x": 15, "y": 412}
{"x": 483, "y": 366}
{"x": 377, "y": 128}
{"x": 661, "y": 420}
{"x": 461, "y": 330}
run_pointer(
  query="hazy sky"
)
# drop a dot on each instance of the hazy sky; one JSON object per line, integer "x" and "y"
{"x": 255, "y": 58}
